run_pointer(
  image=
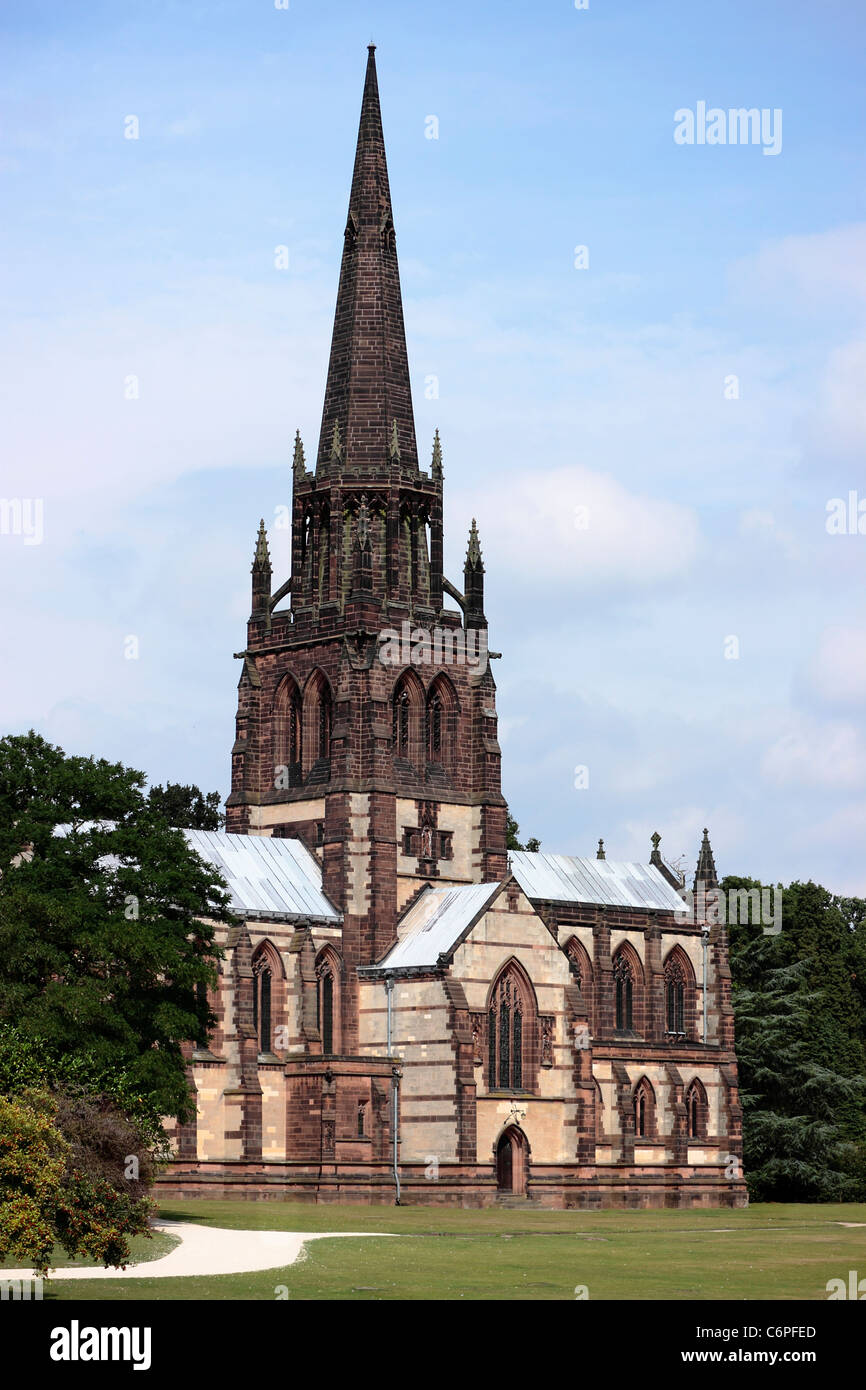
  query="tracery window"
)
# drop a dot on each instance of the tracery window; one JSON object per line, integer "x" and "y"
{"x": 675, "y": 997}
{"x": 623, "y": 976}
{"x": 507, "y": 1034}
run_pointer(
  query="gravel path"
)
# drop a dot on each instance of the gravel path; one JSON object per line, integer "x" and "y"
{"x": 209, "y": 1250}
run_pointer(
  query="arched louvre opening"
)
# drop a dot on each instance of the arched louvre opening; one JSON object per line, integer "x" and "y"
{"x": 317, "y": 722}
{"x": 408, "y": 714}
{"x": 401, "y": 723}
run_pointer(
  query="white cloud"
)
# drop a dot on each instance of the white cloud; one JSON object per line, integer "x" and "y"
{"x": 814, "y": 753}
{"x": 837, "y": 672}
{"x": 572, "y": 523}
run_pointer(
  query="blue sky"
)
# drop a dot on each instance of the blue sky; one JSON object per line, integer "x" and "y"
{"x": 558, "y": 388}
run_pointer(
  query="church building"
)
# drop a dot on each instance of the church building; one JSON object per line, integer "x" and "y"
{"x": 406, "y": 1010}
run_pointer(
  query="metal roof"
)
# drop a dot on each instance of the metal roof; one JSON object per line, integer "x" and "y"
{"x": 267, "y": 877}
{"x": 434, "y": 924}
{"x": 564, "y": 878}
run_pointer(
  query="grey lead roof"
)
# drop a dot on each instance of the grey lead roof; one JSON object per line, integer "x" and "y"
{"x": 434, "y": 924}
{"x": 267, "y": 877}
{"x": 564, "y": 878}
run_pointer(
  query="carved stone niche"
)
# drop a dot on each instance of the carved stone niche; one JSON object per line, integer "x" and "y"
{"x": 546, "y": 1025}
{"x": 477, "y": 1021}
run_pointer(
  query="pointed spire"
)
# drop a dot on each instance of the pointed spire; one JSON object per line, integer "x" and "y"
{"x": 706, "y": 869}
{"x": 600, "y": 854}
{"x": 262, "y": 558}
{"x": 368, "y": 374}
{"x": 473, "y": 551}
{"x": 436, "y": 466}
{"x": 299, "y": 463}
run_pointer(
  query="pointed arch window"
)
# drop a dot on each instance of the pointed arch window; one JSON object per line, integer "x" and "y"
{"x": 582, "y": 972}
{"x": 623, "y": 978}
{"x": 679, "y": 996}
{"x": 262, "y": 987}
{"x": 696, "y": 1110}
{"x": 644, "y": 1110}
{"x": 408, "y": 719}
{"x": 511, "y": 1027}
{"x": 327, "y": 1000}
{"x": 287, "y": 735}
{"x": 401, "y": 723}
{"x": 441, "y": 718}
{"x": 317, "y": 722}
{"x": 434, "y": 728}
{"x": 675, "y": 998}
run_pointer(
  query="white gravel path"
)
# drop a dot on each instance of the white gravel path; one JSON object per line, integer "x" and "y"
{"x": 209, "y": 1250}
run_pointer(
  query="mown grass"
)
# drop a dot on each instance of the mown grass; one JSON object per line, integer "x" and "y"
{"x": 765, "y": 1252}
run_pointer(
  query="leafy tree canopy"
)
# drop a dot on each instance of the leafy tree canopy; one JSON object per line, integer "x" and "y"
{"x": 800, "y": 1019}
{"x": 512, "y": 830}
{"x": 107, "y": 925}
{"x": 188, "y": 807}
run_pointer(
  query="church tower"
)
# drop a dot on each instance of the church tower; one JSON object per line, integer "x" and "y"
{"x": 366, "y": 721}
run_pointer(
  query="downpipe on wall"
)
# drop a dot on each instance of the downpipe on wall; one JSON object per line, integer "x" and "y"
{"x": 395, "y": 1092}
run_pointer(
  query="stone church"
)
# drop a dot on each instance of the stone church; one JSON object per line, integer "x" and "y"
{"x": 407, "y": 1011}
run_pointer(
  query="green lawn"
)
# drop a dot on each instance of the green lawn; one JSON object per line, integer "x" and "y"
{"x": 764, "y": 1252}
{"x": 142, "y": 1249}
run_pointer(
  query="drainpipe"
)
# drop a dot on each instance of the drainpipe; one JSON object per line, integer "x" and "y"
{"x": 395, "y": 1091}
{"x": 705, "y": 936}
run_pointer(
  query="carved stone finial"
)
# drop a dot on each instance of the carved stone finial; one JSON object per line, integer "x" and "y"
{"x": 336, "y": 442}
{"x": 394, "y": 447}
{"x": 656, "y": 841}
{"x": 363, "y": 524}
{"x": 600, "y": 854}
{"x": 473, "y": 552}
{"x": 262, "y": 559}
{"x": 436, "y": 468}
{"x": 299, "y": 463}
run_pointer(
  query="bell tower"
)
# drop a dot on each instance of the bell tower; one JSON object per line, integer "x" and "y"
{"x": 366, "y": 721}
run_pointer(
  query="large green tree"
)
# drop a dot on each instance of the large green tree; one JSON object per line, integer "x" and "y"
{"x": 106, "y": 921}
{"x": 801, "y": 1046}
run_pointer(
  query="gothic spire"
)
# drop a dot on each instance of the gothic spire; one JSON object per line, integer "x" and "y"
{"x": 706, "y": 870}
{"x": 368, "y": 373}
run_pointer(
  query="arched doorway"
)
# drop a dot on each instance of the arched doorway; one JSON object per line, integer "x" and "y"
{"x": 511, "y": 1151}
